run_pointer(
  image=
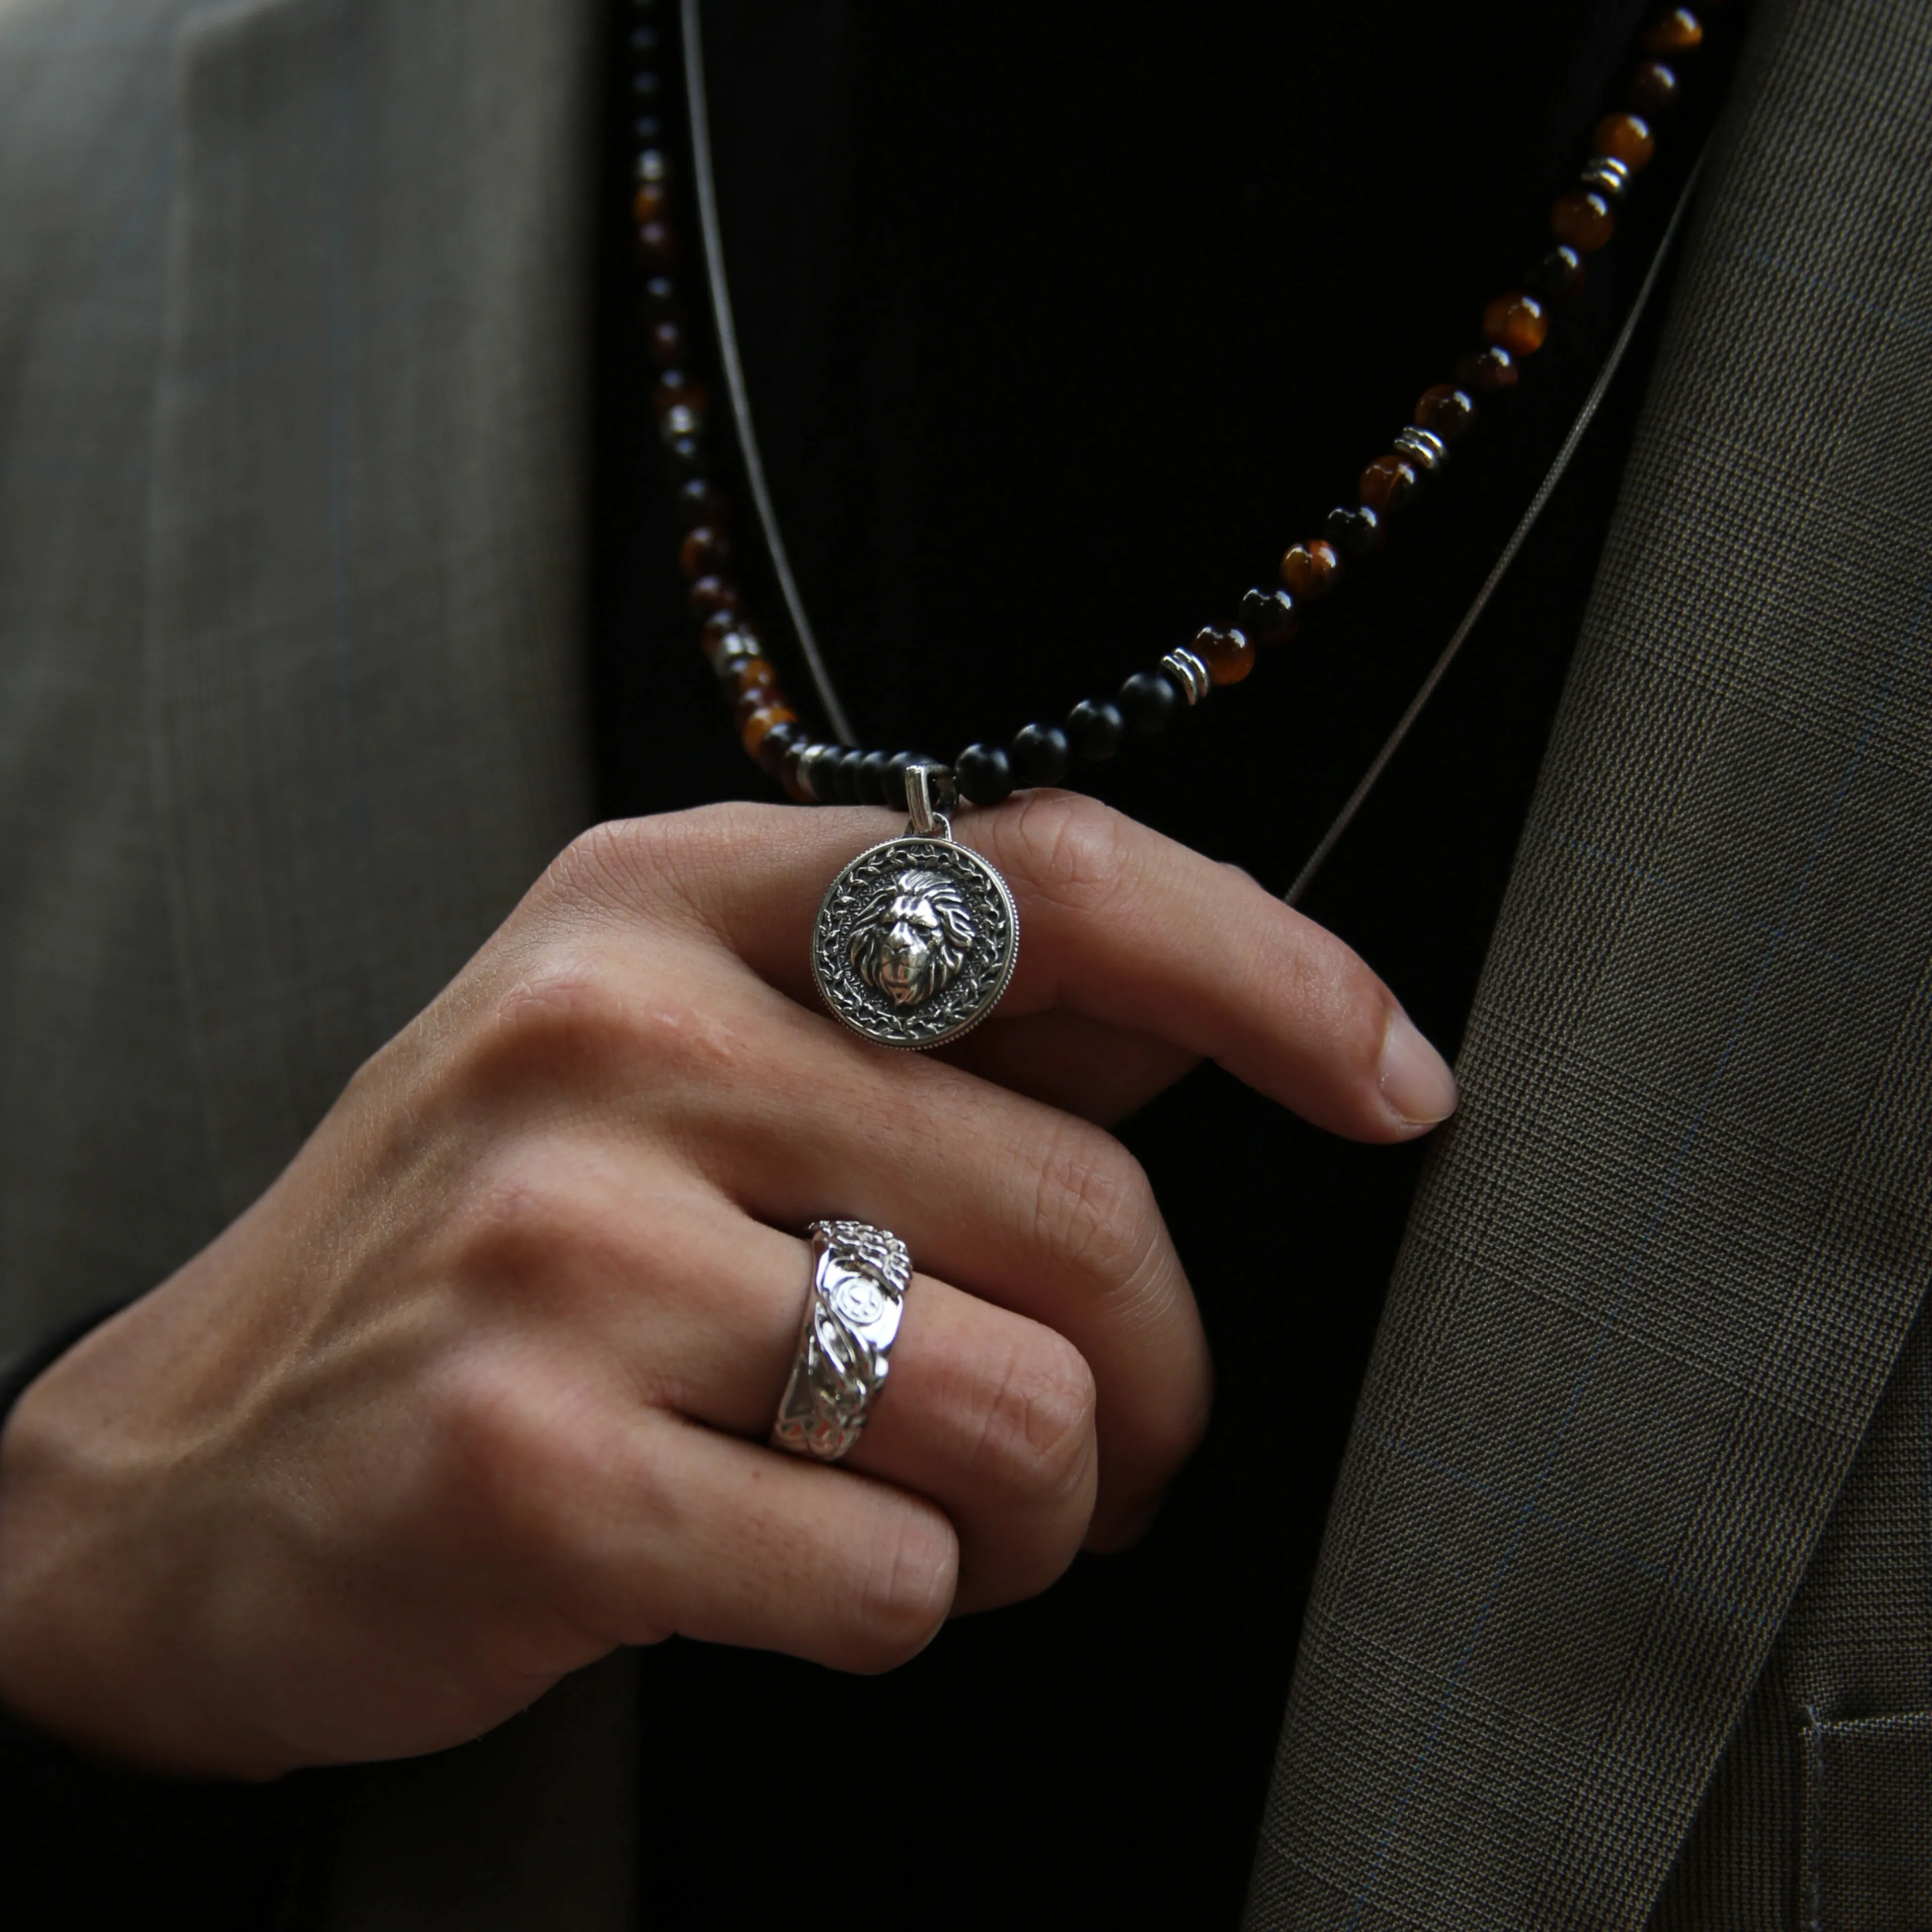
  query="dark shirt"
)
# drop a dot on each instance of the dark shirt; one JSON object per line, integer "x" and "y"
{"x": 1060, "y": 326}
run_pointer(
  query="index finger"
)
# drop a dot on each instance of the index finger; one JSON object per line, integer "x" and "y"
{"x": 1118, "y": 923}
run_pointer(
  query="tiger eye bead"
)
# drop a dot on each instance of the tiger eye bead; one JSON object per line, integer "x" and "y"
{"x": 747, "y": 675}
{"x": 704, "y": 550}
{"x": 668, "y": 345}
{"x": 762, "y": 719}
{"x": 1583, "y": 220}
{"x": 1228, "y": 654}
{"x": 1444, "y": 411}
{"x": 1653, "y": 87}
{"x": 1490, "y": 372}
{"x": 650, "y": 202}
{"x": 1625, "y": 138}
{"x": 1309, "y": 569}
{"x": 1386, "y": 484}
{"x": 1516, "y": 322}
{"x": 1679, "y": 32}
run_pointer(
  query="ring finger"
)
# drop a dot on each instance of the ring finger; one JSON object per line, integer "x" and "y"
{"x": 986, "y": 1413}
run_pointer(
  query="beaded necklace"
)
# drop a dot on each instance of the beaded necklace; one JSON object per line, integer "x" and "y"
{"x": 916, "y": 885}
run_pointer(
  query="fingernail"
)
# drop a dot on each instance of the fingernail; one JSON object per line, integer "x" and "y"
{"x": 1416, "y": 1079}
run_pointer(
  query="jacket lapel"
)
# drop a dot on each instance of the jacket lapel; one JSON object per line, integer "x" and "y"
{"x": 364, "y": 652}
{"x": 1657, "y": 1277}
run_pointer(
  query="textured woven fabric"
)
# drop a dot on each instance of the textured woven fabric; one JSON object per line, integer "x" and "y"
{"x": 291, "y": 691}
{"x": 290, "y": 515}
{"x": 1867, "y": 1857}
{"x": 1829, "y": 1770}
{"x": 1660, "y": 1274}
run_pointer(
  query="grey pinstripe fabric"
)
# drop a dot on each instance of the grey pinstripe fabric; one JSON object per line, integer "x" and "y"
{"x": 1659, "y": 1275}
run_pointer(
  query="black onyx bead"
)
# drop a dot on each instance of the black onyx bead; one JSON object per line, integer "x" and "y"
{"x": 1268, "y": 616}
{"x": 643, "y": 39}
{"x": 644, "y": 84}
{"x": 871, "y": 786}
{"x": 649, "y": 128}
{"x": 699, "y": 502}
{"x": 660, "y": 298}
{"x": 983, "y": 774}
{"x": 850, "y": 762}
{"x": 1039, "y": 755}
{"x": 894, "y": 788}
{"x": 1149, "y": 700}
{"x": 1095, "y": 729}
{"x": 1558, "y": 276}
{"x": 1353, "y": 532}
{"x": 773, "y": 746}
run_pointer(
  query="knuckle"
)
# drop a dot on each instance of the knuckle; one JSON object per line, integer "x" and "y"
{"x": 1037, "y": 1428}
{"x": 1093, "y": 1207}
{"x": 1072, "y": 848}
{"x": 668, "y": 859}
{"x": 500, "y": 1455}
{"x": 905, "y": 1589}
{"x": 519, "y": 1223}
{"x": 572, "y": 1017}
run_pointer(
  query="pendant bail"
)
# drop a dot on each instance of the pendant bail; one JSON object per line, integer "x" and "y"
{"x": 930, "y": 796}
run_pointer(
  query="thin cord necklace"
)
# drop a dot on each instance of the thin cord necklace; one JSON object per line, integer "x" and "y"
{"x": 916, "y": 939}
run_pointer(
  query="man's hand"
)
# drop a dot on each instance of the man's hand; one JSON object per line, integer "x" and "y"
{"x": 479, "y": 1389}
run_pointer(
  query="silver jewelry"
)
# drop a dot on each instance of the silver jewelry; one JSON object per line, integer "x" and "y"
{"x": 859, "y": 1275}
{"x": 1189, "y": 672}
{"x": 916, "y": 939}
{"x": 1422, "y": 447}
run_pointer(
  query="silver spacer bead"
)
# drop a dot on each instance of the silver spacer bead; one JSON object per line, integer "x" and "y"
{"x": 1422, "y": 447}
{"x": 651, "y": 167}
{"x": 1189, "y": 672}
{"x": 1608, "y": 176}
{"x": 680, "y": 420}
{"x": 733, "y": 648}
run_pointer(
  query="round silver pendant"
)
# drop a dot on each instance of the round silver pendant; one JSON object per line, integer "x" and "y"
{"x": 915, "y": 942}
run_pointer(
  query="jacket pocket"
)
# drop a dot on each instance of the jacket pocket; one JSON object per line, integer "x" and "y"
{"x": 1867, "y": 1822}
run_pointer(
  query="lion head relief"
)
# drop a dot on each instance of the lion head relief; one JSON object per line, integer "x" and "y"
{"x": 911, "y": 938}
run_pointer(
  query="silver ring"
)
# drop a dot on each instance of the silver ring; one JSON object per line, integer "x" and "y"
{"x": 859, "y": 1277}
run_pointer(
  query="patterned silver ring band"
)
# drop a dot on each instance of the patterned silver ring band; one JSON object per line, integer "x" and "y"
{"x": 859, "y": 1275}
